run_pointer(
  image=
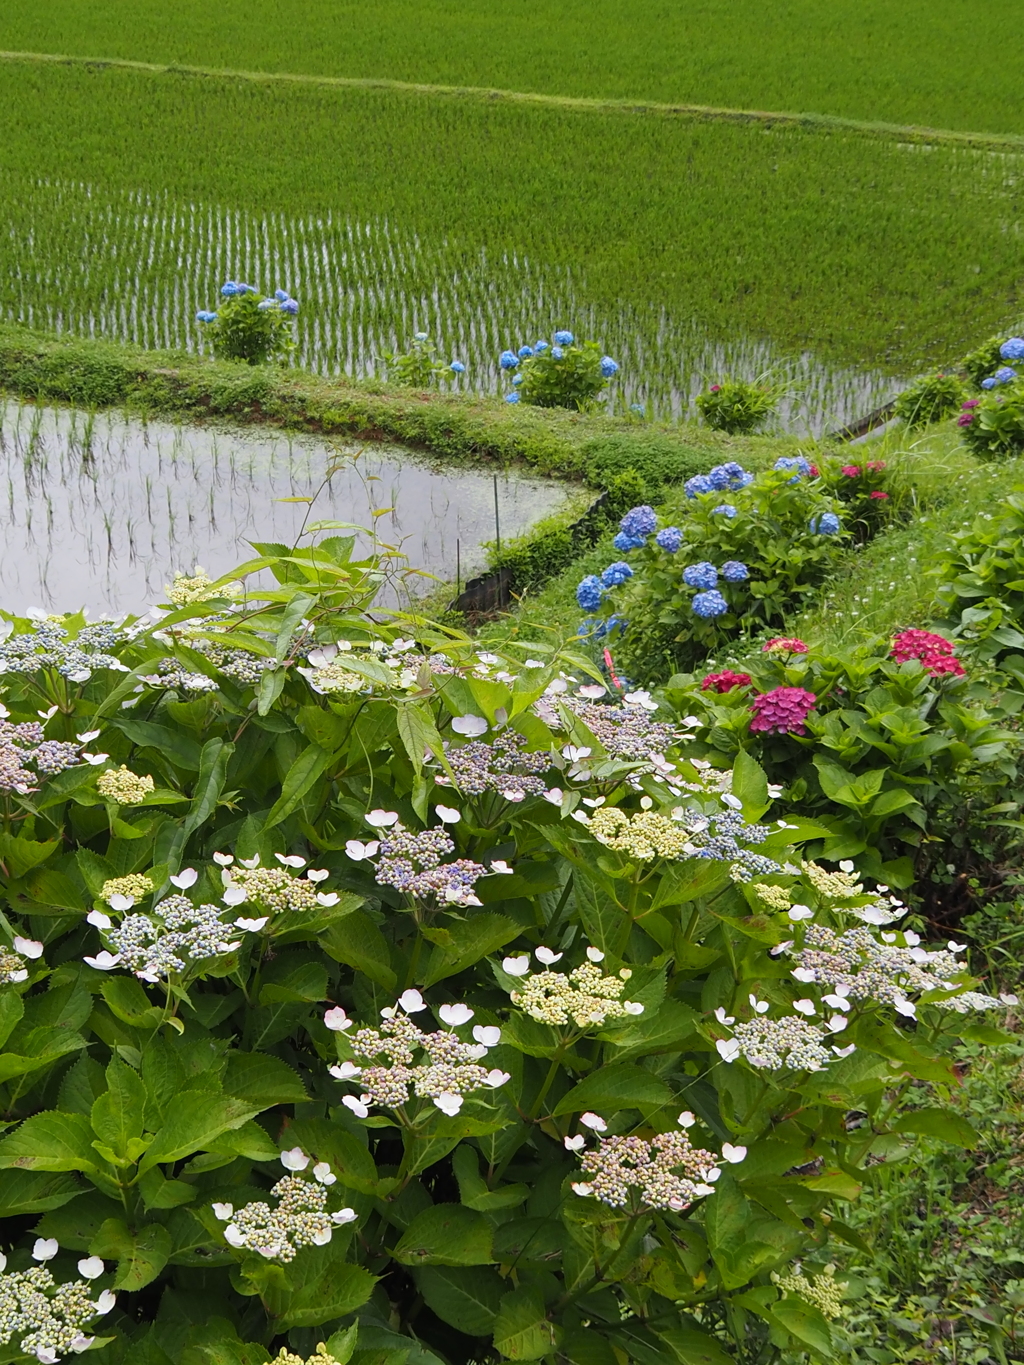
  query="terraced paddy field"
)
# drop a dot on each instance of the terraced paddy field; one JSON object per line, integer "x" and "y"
{"x": 943, "y": 63}
{"x": 690, "y": 248}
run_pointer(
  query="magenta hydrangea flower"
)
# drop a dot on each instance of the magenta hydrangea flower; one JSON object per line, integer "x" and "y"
{"x": 782, "y": 711}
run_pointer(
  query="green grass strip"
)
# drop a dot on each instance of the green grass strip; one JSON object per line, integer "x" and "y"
{"x": 695, "y": 112}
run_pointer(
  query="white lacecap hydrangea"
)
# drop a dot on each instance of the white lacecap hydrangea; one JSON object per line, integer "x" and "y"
{"x": 48, "y": 1319}
{"x": 300, "y": 1218}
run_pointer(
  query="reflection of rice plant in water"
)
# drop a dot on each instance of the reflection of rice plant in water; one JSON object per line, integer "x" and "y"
{"x": 156, "y": 498}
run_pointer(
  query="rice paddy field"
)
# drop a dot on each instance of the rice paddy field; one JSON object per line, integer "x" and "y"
{"x": 690, "y": 248}
{"x": 943, "y": 63}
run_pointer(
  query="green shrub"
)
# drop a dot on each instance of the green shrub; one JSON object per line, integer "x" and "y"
{"x": 569, "y": 374}
{"x": 872, "y": 493}
{"x": 294, "y": 843}
{"x": 247, "y": 326}
{"x": 420, "y": 367}
{"x": 904, "y": 763}
{"x": 737, "y": 405}
{"x": 993, "y": 426}
{"x": 657, "y": 459}
{"x": 984, "y": 361}
{"x": 981, "y": 584}
{"x": 930, "y": 399}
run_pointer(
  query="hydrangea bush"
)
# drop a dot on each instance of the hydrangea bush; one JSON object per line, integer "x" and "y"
{"x": 421, "y": 367}
{"x": 250, "y": 326}
{"x": 747, "y": 550}
{"x": 429, "y": 1005}
{"x": 565, "y": 373}
{"x": 739, "y": 405}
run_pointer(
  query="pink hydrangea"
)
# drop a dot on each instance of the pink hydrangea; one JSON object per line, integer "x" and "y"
{"x": 724, "y": 681}
{"x": 782, "y": 711}
{"x": 783, "y": 644}
{"x": 935, "y": 652}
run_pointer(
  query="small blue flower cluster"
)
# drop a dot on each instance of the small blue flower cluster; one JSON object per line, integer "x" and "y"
{"x": 670, "y": 539}
{"x": 724, "y": 509}
{"x": 232, "y": 289}
{"x": 510, "y": 360}
{"x": 797, "y": 463}
{"x": 616, "y": 573}
{"x": 702, "y": 575}
{"x": 640, "y": 522}
{"x": 1004, "y": 375}
{"x": 589, "y": 592}
{"x": 1013, "y": 349}
{"x": 709, "y": 602}
{"x": 825, "y": 524}
{"x": 732, "y": 476}
{"x": 457, "y": 367}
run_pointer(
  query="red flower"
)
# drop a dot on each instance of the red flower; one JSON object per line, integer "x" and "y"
{"x": 971, "y": 403}
{"x": 852, "y": 471}
{"x": 725, "y": 681}
{"x": 782, "y": 645}
{"x": 965, "y": 419}
{"x": 814, "y": 471}
{"x": 873, "y": 466}
{"x": 782, "y": 711}
{"x": 877, "y": 493}
{"x": 716, "y": 388}
{"x": 934, "y": 652}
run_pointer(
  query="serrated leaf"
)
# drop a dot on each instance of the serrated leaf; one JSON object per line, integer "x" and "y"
{"x": 304, "y": 773}
{"x": 196, "y": 1119}
{"x": 938, "y": 1123}
{"x": 466, "y": 1297}
{"x": 521, "y": 1329}
{"x": 446, "y": 1234}
{"x": 616, "y": 1087}
{"x": 51, "y": 1141}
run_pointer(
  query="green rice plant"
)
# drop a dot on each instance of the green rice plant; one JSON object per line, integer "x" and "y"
{"x": 738, "y": 405}
{"x": 930, "y": 399}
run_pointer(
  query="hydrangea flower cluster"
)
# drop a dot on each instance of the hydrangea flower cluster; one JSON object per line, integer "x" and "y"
{"x": 239, "y": 664}
{"x": 802, "y": 467}
{"x": 669, "y": 538}
{"x": 299, "y": 1220}
{"x": 188, "y": 589}
{"x": 134, "y": 886}
{"x": 50, "y": 645}
{"x": 717, "y": 480}
{"x": 124, "y": 787}
{"x": 1012, "y": 348}
{"x": 635, "y": 527}
{"x": 175, "y": 934}
{"x": 173, "y": 674}
{"x": 412, "y": 863}
{"x": 24, "y": 742}
{"x": 724, "y": 681}
{"x": 49, "y": 1318}
{"x": 585, "y": 995}
{"x": 505, "y": 766}
{"x": 590, "y": 592}
{"x": 937, "y": 655}
{"x": 824, "y": 524}
{"x": 644, "y": 835}
{"x": 664, "y": 1172}
{"x": 322, "y": 1357}
{"x": 624, "y": 731}
{"x": 771, "y": 1044}
{"x": 709, "y": 604}
{"x": 1004, "y": 375}
{"x": 824, "y": 1292}
{"x": 782, "y": 711}
{"x": 702, "y": 575}
{"x": 438, "y": 1066}
{"x": 616, "y": 574}
{"x": 13, "y": 968}
{"x": 783, "y": 644}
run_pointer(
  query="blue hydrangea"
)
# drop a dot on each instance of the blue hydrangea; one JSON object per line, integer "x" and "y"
{"x": 557, "y": 353}
{"x": 508, "y": 360}
{"x": 700, "y": 483}
{"x": 512, "y": 398}
{"x": 517, "y": 379}
{"x": 457, "y": 367}
{"x": 525, "y": 352}
{"x": 281, "y": 295}
{"x": 1013, "y": 349}
{"x": 639, "y": 521}
{"x": 615, "y": 623}
{"x": 1004, "y": 375}
{"x": 564, "y": 338}
{"x": 735, "y": 572}
{"x": 290, "y": 307}
{"x": 708, "y": 604}
{"x": 725, "y": 509}
{"x": 638, "y": 408}
{"x": 624, "y": 542}
{"x": 702, "y": 575}
{"x": 421, "y": 336}
{"x": 989, "y": 383}
{"x": 718, "y": 478}
{"x": 229, "y": 289}
{"x": 204, "y": 316}
{"x": 609, "y": 366}
{"x": 735, "y": 473}
{"x": 266, "y": 304}
{"x": 827, "y": 524}
{"x": 589, "y": 592}
{"x": 591, "y": 628}
{"x": 670, "y": 539}
{"x": 616, "y": 573}
{"x": 539, "y": 346}
{"x": 794, "y": 462}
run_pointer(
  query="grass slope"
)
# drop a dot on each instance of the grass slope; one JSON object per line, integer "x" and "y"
{"x": 866, "y": 59}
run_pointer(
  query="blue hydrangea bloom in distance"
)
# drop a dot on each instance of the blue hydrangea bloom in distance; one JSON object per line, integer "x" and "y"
{"x": 670, "y": 539}
{"x": 616, "y": 573}
{"x": 557, "y": 353}
{"x": 609, "y": 366}
{"x": 265, "y": 304}
{"x": 796, "y": 462}
{"x": 539, "y": 346}
{"x": 229, "y": 289}
{"x": 512, "y": 398}
{"x": 639, "y": 521}
{"x": 708, "y": 604}
{"x": 592, "y": 627}
{"x": 421, "y": 336}
{"x": 825, "y": 525}
{"x": 989, "y": 383}
{"x": 457, "y": 367}
{"x": 624, "y": 542}
{"x": 700, "y": 483}
{"x": 589, "y": 592}
{"x": 615, "y": 622}
{"x": 564, "y": 338}
{"x": 508, "y": 360}
{"x": 525, "y": 352}
{"x": 204, "y": 316}
{"x": 1013, "y": 349}
{"x": 726, "y": 509}
{"x": 290, "y": 307}
{"x": 1004, "y": 375}
{"x": 281, "y": 295}
{"x": 638, "y": 408}
{"x": 702, "y": 575}
{"x": 517, "y": 379}
{"x": 735, "y": 572}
